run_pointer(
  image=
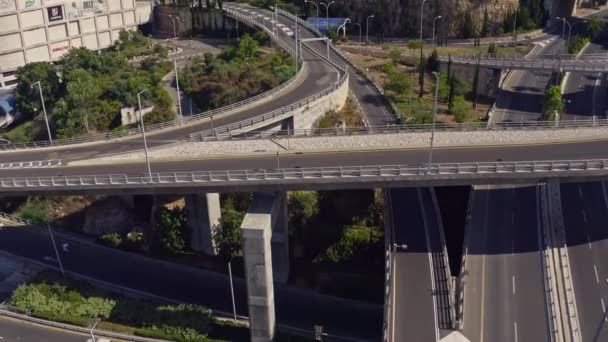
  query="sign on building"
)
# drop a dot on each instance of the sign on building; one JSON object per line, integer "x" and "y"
{"x": 55, "y": 13}
{"x": 7, "y": 6}
{"x": 85, "y": 8}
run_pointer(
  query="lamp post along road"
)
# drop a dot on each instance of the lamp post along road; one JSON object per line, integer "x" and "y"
{"x": 317, "y": 6}
{"x": 143, "y": 132}
{"x": 367, "y": 28}
{"x": 515, "y": 28}
{"x": 48, "y": 226}
{"x": 420, "y": 76}
{"x": 564, "y": 31}
{"x": 179, "y": 97}
{"x": 434, "y": 21}
{"x": 433, "y": 120}
{"x": 327, "y": 14}
{"x": 232, "y": 289}
{"x": 46, "y": 118}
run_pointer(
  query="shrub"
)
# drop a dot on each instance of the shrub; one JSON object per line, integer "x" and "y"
{"x": 111, "y": 239}
{"x": 35, "y": 210}
{"x": 414, "y": 44}
{"x": 461, "y": 109}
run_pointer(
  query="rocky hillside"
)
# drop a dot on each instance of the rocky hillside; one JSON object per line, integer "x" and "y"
{"x": 402, "y": 17}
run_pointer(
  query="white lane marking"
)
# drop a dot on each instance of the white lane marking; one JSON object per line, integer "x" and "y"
{"x": 584, "y": 216}
{"x": 597, "y": 279}
{"x": 604, "y": 308}
{"x": 513, "y": 281}
{"x": 515, "y": 330}
{"x": 588, "y": 240}
{"x": 580, "y": 191}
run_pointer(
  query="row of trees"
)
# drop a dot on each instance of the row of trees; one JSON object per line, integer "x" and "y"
{"x": 93, "y": 88}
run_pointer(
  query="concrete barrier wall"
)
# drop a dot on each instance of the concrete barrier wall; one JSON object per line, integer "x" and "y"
{"x": 305, "y": 117}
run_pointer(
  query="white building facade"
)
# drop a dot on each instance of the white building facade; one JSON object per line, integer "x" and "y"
{"x": 44, "y": 30}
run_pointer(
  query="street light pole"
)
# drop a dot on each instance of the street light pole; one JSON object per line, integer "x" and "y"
{"x": 232, "y": 289}
{"x": 55, "y": 248}
{"x": 317, "y": 6}
{"x": 143, "y": 132}
{"x": 564, "y": 31}
{"x": 434, "y": 20}
{"x": 367, "y": 28}
{"x": 179, "y": 97}
{"x": 515, "y": 28}
{"x": 173, "y": 22}
{"x": 433, "y": 125}
{"x": 46, "y": 118}
{"x": 327, "y": 14}
{"x": 420, "y": 76}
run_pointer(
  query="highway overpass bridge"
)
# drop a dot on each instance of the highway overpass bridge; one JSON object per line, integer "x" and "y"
{"x": 566, "y": 63}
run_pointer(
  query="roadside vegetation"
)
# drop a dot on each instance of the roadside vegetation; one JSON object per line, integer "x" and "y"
{"x": 242, "y": 71}
{"x": 552, "y": 103}
{"x": 92, "y": 90}
{"x": 348, "y": 116}
{"x": 580, "y": 38}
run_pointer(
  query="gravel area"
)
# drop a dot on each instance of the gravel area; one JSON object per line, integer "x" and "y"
{"x": 367, "y": 142}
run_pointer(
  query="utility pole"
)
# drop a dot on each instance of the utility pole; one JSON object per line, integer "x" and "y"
{"x": 367, "y": 27}
{"x": 433, "y": 125}
{"x": 46, "y": 118}
{"x": 179, "y": 97}
{"x": 143, "y": 132}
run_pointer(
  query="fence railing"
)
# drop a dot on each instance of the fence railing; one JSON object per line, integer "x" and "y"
{"x": 302, "y": 175}
{"x": 394, "y": 129}
{"x": 591, "y": 65}
{"x": 186, "y": 120}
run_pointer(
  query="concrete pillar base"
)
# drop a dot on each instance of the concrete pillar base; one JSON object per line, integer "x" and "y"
{"x": 203, "y": 218}
{"x": 265, "y": 245}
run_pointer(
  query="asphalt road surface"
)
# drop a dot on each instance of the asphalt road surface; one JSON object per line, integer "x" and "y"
{"x": 17, "y": 331}
{"x": 414, "y": 311}
{"x": 504, "y": 291}
{"x": 298, "y": 308}
{"x": 585, "y": 213}
{"x": 415, "y": 157}
{"x": 585, "y": 94}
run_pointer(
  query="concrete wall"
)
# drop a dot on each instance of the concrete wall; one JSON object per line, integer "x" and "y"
{"x": 190, "y": 19}
{"x": 305, "y": 117}
{"x": 488, "y": 78}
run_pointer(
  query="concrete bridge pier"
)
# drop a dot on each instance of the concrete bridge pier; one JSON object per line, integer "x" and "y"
{"x": 265, "y": 245}
{"x": 203, "y": 218}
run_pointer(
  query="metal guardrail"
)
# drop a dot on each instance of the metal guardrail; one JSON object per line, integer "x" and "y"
{"x": 16, "y": 219}
{"x": 407, "y": 128}
{"x": 393, "y": 172}
{"x": 179, "y": 122}
{"x": 27, "y": 317}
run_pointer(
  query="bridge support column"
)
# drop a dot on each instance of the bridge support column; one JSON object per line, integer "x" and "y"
{"x": 264, "y": 237}
{"x": 203, "y": 217}
{"x": 280, "y": 240}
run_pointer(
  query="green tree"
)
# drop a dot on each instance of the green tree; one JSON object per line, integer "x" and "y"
{"x": 171, "y": 231}
{"x": 485, "y": 25}
{"x": 433, "y": 61}
{"x": 66, "y": 120}
{"x": 247, "y": 49}
{"x": 82, "y": 92}
{"x": 468, "y": 26}
{"x": 594, "y": 25}
{"x": 492, "y": 48}
{"x": 27, "y": 97}
{"x": 227, "y": 237}
{"x": 303, "y": 208}
{"x": 552, "y": 103}
{"x": 80, "y": 58}
{"x": 461, "y": 109}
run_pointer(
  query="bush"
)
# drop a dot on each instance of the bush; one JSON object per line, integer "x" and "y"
{"x": 352, "y": 246}
{"x": 576, "y": 44}
{"x": 35, "y": 210}
{"x": 461, "y": 109}
{"x": 111, "y": 239}
{"x": 552, "y": 102}
{"x": 414, "y": 44}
